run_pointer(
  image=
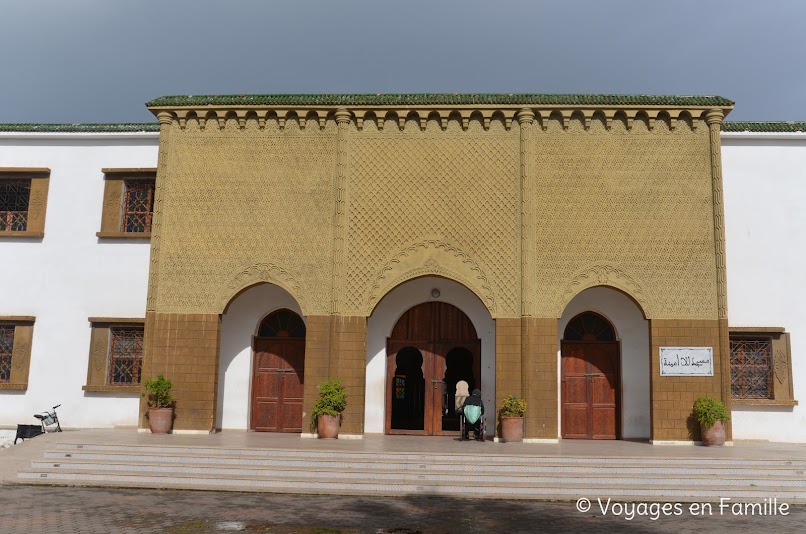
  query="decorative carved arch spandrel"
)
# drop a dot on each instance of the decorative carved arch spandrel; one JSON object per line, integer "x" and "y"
{"x": 262, "y": 273}
{"x": 433, "y": 258}
{"x": 604, "y": 275}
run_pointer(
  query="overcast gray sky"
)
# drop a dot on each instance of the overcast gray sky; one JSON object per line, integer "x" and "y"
{"x": 101, "y": 60}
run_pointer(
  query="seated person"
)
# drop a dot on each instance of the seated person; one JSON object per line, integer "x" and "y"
{"x": 475, "y": 426}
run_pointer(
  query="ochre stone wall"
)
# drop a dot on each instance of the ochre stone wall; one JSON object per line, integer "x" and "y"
{"x": 673, "y": 397}
{"x": 185, "y": 348}
{"x": 540, "y": 377}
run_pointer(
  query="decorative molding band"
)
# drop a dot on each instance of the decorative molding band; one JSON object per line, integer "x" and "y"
{"x": 262, "y": 273}
{"x": 342, "y": 162}
{"x": 763, "y": 402}
{"x": 116, "y": 320}
{"x": 127, "y": 390}
{"x": 525, "y": 118}
{"x": 128, "y": 171}
{"x": 757, "y": 329}
{"x": 714, "y": 119}
{"x": 18, "y": 319}
{"x": 604, "y": 275}
{"x": 165, "y": 120}
{"x": 304, "y": 116}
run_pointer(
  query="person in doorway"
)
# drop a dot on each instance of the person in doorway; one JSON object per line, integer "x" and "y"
{"x": 473, "y": 411}
{"x": 461, "y": 396}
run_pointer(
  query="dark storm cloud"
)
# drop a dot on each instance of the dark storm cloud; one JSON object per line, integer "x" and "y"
{"x": 99, "y": 61}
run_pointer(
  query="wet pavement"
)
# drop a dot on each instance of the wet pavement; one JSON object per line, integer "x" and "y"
{"x": 63, "y": 510}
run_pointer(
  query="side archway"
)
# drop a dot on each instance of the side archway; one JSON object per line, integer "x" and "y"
{"x": 240, "y": 326}
{"x": 631, "y": 331}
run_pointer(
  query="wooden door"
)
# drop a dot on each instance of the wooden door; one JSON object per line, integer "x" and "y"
{"x": 425, "y": 335}
{"x": 277, "y": 385}
{"x": 590, "y": 390}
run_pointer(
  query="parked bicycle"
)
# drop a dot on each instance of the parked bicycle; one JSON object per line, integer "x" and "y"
{"x": 48, "y": 418}
{"x": 48, "y": 422}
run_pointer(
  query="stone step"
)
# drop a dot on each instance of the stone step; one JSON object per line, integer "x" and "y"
{"x": 483, "y": 453}
{"x": 481, "y": 464}
{"x": 479, "y": 467}
{"x": 555, "y": 490}
{"x": 382, "y": 472}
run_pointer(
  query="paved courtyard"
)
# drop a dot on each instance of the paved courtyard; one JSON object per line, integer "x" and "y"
{"x": 64, "y": 510}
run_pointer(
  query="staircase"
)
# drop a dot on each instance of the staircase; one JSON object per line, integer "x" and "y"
{"x": 406, "y": 473}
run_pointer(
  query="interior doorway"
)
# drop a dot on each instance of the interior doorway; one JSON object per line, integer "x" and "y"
{"x": 590, "y": 386}
{"x": 432, "y": 347}
{"x": 278, "y": 373}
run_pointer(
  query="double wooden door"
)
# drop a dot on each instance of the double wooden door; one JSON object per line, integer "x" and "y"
{"x": 432, "y": 347}
{"x": 421, "y": 390}
{"x": 277, "y": 384}
{"x": 590, "y": 390}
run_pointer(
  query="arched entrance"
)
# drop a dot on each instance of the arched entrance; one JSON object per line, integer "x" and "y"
{"x": 278, "y": 373}
{"x": 590, "y": 390}
{"x": 432, "y": 346}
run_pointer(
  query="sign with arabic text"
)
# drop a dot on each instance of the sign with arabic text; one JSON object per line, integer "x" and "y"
{"x": 686, "y": 361}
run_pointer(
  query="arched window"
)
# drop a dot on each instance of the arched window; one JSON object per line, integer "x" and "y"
{"x": 282, "y": 323}
{"x": 589, "y": 326}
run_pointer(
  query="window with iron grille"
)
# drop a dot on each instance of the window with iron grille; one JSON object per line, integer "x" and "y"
{"x": 751, "y": 368}
{"x": 14, "y": 198}
{"x": 6, "y": 348}
{"x": 138, "y": 206}
{"x": 125, "y": 355}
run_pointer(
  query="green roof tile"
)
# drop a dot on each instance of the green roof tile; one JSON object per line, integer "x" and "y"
{"x": 126, "y": 127}
{"x": 437, "y": 99}
{"x": 772, "y": 127}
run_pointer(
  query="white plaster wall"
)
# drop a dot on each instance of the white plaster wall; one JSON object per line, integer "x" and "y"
{"x": 383, "y": 320}
{"x": 70, "y": 275}
{"x": 238, "y": 325}
{"x": 765, "y": 193}
{"x": 632, "y": 330}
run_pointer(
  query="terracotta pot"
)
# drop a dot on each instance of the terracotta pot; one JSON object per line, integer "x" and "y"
{"x": 512, "y": 429}
{"x": 327, "y": 426}
{"x": 714, "y": 435}
{"x": 160, "y": 420}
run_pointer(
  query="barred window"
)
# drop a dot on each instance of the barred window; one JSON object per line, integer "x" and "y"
{"x": 125, "y": 355}
{"x": 14, "y": 198}
{"x": 138, "y": 206}
{"x": 751, "y": 368}
{"x": 6, "y": 348}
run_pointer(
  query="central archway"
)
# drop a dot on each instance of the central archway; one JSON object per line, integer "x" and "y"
{"x": 433, "y": 346}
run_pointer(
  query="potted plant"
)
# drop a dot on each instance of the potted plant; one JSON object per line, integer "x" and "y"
{"x": 711, "y": 413}
{"x": 160, "y": 405}
{"x": 326, "y": 412}
{"x": 511, "y": 416}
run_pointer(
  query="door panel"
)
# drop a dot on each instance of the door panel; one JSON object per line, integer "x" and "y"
{"x": 590, "y": 390}
{"x": 278, "y": 378}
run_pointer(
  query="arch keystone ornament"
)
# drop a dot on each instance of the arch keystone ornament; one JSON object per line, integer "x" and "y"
{"x": 604, "y": 275}
{"x": 262, "y": 273}
{"x": 436, "y": 258}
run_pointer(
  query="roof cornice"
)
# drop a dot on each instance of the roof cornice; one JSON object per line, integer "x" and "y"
{"x": 442, "y": 107}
